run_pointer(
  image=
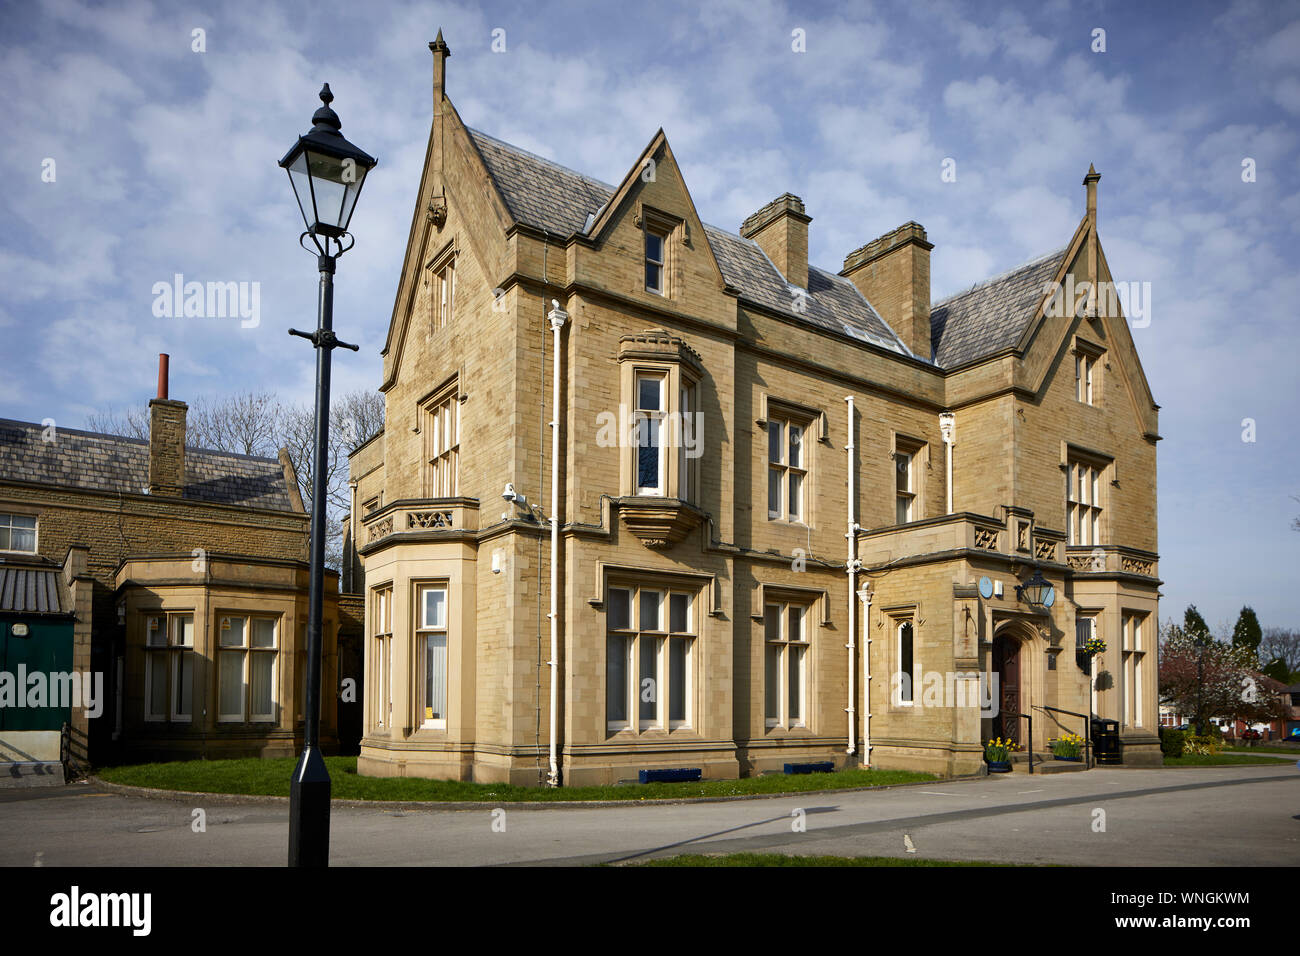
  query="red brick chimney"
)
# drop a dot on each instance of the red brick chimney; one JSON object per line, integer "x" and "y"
{"x": 166, "y": 439}
{"x": 893, "y": 272}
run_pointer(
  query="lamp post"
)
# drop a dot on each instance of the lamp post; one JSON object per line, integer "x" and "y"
{"x": 326, "y": 172}
{"x": 1036, "y": 592}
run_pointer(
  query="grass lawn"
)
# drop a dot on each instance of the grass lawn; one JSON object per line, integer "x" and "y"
{"x": 1221, "y": 760}
{"x": 1272, "y": 747}
{"x": 781, "y": 859}
{"x": 271, "y": 777}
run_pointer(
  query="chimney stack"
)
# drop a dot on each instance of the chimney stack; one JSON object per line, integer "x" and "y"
{"x": 781, "y": 230}
{"x": 893, "y": 274}
{"x": 166, "y": 439}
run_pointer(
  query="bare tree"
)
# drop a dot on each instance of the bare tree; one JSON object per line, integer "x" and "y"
{"x": 131, "y": 423}
{"x": 247, "y": 423}
{"x": 1283, "y": 644}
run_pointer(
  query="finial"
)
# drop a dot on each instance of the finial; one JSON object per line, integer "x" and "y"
{"x": 325, "y": 116}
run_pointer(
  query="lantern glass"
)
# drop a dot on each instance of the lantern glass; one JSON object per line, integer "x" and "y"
{"x": 327, "y": 188}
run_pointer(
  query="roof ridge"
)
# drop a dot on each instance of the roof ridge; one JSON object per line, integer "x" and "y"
{"x": 1038, "y": 260}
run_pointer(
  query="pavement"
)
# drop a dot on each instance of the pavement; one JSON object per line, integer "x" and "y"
{"x": 1203, "y": 816}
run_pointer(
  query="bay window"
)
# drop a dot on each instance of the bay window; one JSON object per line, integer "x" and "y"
{"x": 247, "y": 650}
{"x": 431, "y": 651}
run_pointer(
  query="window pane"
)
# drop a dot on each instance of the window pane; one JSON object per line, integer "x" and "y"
{"x": 654, "y": 247}
{"x": 903, "y": 473}
{"x": 796, "y": 443}
{"x": 772, "y": 682}
{"x": 796, "y": 684}
{"x": 904, "y": 509}
{"x": 264, "y": 632}
{"x": 232, "y": 631}
{"x": 774, "y": 492}
{"x": 157, "y": 685}
{"x": 796, "y": 495}
{"x": 648, "y": 693}
{"x": 263, "y": 667}
{"x": 774, "y": 442}
{"x": 435, "y": 677}
{"x": 679, "y": 613}
{"x": 23, "y": 539}
{"x": 677, "y": 678}
{"x": 620, "y": 608}
{"x": 435, "y": 608}
{"x": 184, "y": 690}
{"x": 905, "y": 660}
{"x": 616, "y": 678}
{"x": 184, "y": 633}
{"x": 772, "y": 622}
{"x": 651, "y": 602}
{"x": 154, "y": 634}
{"x": 647, "y": 475}
{"x": 649, "y": 394}
{"x": 232, "y": 684}
{"x": 795, "y": 632}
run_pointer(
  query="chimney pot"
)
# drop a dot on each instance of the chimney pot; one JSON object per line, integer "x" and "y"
{"x": 163, "y": 367}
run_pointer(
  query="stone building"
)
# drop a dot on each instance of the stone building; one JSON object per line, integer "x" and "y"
{"x": 795, "y": 510}
{"x": 180, "y": 575}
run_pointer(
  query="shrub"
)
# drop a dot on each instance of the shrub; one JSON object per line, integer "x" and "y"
{"x": 1172, "y": 742}
{"x": 1208, "y": 744}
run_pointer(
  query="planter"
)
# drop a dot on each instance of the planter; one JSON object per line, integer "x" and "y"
{"x": 1076, "y": 758}
{"x": 999, "y": 766}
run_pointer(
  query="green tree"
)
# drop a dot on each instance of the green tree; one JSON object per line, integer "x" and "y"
{"x": 1194, "y": 626}
{"x": 1277, "y": 669}
{"x": 1247, "y": 632}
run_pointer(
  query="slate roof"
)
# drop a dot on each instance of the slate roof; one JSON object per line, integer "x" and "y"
{"x": 30, "y": 590}
{"x": 77, "y": 459}
{"x": 547, "y": 196}
{"x": 984, "y": 319}
{"x": 992, "y": 315}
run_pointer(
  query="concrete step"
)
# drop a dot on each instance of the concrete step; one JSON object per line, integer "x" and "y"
{"x": 22, "y": 774}
{"x": 1044, "y": 763}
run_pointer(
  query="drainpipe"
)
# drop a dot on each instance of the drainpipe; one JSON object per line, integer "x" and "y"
{"x": 864, "y": 595}
{"x": 558, "y": 317}
{"x": 851, "y": 565}
{"x": 948, "y": 428}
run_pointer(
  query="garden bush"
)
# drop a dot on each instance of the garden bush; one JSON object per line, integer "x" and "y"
{"x": 1172, "y": 742}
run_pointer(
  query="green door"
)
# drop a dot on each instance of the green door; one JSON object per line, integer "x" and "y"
{"x": 46, "y": 649}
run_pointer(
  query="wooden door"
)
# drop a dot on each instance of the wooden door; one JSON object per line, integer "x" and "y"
{"x": 1006, "y": 664}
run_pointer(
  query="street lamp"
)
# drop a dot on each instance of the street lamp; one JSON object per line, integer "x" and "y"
{"x": 1036, "y": 592}
{"x": 326, "y": 172}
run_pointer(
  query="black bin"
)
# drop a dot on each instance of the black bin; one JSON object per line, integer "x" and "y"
{"x": 1105, "y": 741}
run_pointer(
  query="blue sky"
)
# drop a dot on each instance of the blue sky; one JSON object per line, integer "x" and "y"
{"x": 165, "y": 163}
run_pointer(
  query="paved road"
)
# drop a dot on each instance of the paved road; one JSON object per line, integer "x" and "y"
{"x": 1212, "y": 816}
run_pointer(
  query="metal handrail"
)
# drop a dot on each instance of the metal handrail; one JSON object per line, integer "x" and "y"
{"x": 1029, "y": 748}
{"x": 1087, "y": 731}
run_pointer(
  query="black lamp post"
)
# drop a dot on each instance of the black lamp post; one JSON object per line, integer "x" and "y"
{"x": 327, "y": 173}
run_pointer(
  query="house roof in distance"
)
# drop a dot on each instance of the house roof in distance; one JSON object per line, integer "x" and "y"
{"x": 113, "y": 463}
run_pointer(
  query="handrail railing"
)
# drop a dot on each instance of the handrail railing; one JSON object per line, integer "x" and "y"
{"x": 1087, "y": 730}
{"x": 1029, "y": 748}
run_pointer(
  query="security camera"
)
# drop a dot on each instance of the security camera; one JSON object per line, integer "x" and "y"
{"x": 511, "y": 495}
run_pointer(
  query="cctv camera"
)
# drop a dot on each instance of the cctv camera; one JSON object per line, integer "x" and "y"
{"x": 509, "y": 493}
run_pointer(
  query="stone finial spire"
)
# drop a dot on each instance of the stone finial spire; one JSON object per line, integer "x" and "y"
{"x": 440, "y": 52}
{"x": 1091, "y": 181}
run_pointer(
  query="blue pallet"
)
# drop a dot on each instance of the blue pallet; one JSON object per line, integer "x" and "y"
{"x": 822, "y": 767}
{"x": 682, "y": 775}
